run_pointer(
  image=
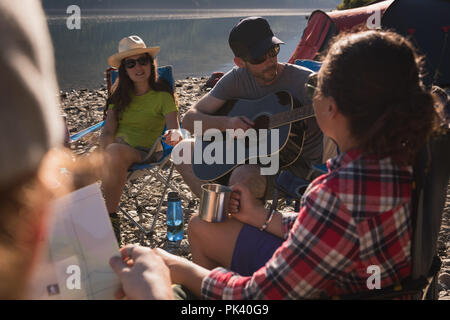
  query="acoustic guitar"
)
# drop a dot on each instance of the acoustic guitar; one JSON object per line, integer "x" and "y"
{"x": 274, "y": 111}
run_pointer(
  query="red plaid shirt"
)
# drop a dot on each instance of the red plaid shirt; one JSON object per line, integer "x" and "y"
{"x": 356, "y": 216}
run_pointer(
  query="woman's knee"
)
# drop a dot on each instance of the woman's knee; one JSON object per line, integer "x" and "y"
{"x": 202, "y": 230}
{"x": 250, "y": 176}
{"x": 120, "y": 156}
{"x": 113, "y": 151}
{"x": 245, "y": 174}
{"x": 194, "y": 226}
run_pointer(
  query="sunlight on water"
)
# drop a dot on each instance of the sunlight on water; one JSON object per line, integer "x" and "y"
{"x": 194, "y": 42}
{"x": 179, "y": 14}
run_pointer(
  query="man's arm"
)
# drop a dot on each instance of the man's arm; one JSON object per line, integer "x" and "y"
{"x": 204, "y": 111}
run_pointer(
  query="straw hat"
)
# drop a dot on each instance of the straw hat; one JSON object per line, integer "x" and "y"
{"x": 128, "y": 47}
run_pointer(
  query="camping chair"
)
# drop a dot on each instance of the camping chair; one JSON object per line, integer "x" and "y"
{"x": 149, "y": 170}
{"x": 309, "y": 64}
{"x": 430, "y": 181}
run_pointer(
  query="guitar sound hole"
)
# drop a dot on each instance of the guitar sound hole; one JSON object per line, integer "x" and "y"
{"x": 283, "y": 98}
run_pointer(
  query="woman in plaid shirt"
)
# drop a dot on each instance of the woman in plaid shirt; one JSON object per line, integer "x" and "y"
{"x": 370, "y": 100}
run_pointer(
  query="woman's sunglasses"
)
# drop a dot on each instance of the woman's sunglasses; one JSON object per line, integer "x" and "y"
{"x": 131, "y": 63}
{"x": 273, "y": 52}
{"x": 311, "y": 86}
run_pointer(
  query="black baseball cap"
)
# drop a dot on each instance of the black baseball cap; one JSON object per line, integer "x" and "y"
{"x": 252, "y": 38}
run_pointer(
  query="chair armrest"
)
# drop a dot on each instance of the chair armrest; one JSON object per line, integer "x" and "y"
{"x": 77, "y": 136}
{"x": 322, "y": 168}
{"x": 310, "y": 64}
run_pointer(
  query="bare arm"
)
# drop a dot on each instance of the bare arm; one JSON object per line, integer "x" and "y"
{"x": 172, "y": 135}
{"x": 184, "y": 272}
{"x": 203, "y": 111}
{"x": 109, "y": 129}
{"x": 172, "y": 120}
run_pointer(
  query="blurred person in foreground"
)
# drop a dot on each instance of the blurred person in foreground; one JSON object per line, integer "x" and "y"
{"x": 31, "y": 137}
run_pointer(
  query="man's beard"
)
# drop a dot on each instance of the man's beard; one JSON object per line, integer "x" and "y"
{"x": 269, "y": 74}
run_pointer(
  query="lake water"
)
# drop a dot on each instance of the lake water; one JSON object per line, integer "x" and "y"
{"x": 194, "y": 42}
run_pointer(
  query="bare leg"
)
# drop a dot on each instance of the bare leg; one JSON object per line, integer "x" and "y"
{"x": 118, "y": 158}
{"x": 250, "y": 176}
{"x": 212, "y": 244}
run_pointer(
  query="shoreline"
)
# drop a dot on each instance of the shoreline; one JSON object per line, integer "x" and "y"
{"x": 84, "y": 107}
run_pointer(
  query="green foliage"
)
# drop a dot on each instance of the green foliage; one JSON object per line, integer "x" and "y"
{"x": 348, "y": 4}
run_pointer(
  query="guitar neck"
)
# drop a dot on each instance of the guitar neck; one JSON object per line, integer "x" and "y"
{"x": 282, "y": 118}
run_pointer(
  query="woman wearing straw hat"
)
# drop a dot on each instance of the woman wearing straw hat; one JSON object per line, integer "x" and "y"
{"x": 136, "y": 112}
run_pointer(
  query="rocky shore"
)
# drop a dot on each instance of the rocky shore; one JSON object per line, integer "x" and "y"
{"x": 83, "y": 108}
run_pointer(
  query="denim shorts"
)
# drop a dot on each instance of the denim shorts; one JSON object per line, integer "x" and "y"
{"x": 143, "y": 151}
{"x": 253, "y": 249}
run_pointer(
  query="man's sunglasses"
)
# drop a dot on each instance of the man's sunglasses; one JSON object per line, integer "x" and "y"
{"x": 273, "y": 52}
{"x": 311, "y": 86}
{"x": 131, "y": 63}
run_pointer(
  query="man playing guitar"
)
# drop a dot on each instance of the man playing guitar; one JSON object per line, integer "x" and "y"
{"x": 258, "y": 73}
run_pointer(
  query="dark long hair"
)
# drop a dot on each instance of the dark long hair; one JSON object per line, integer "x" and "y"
{"x": 375, "y": 79}
{"x": 123, "y": 86}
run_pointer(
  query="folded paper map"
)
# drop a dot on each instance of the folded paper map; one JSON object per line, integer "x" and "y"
{"x": 75, "y": 263}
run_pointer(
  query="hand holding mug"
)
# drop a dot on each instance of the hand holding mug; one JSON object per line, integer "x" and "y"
{"x": 243, "y": 204}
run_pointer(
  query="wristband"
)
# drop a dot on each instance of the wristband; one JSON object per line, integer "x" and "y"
{"x": 269, "y": 218}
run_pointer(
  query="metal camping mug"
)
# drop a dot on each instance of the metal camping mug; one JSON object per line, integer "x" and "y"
{"x": 214, "y": 202}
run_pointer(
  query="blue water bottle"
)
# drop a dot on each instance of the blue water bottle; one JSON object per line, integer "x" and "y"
{"x": 174, "y": 216}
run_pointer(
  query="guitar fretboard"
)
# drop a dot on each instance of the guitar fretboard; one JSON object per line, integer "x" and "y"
{"x": 282, "y": 118}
